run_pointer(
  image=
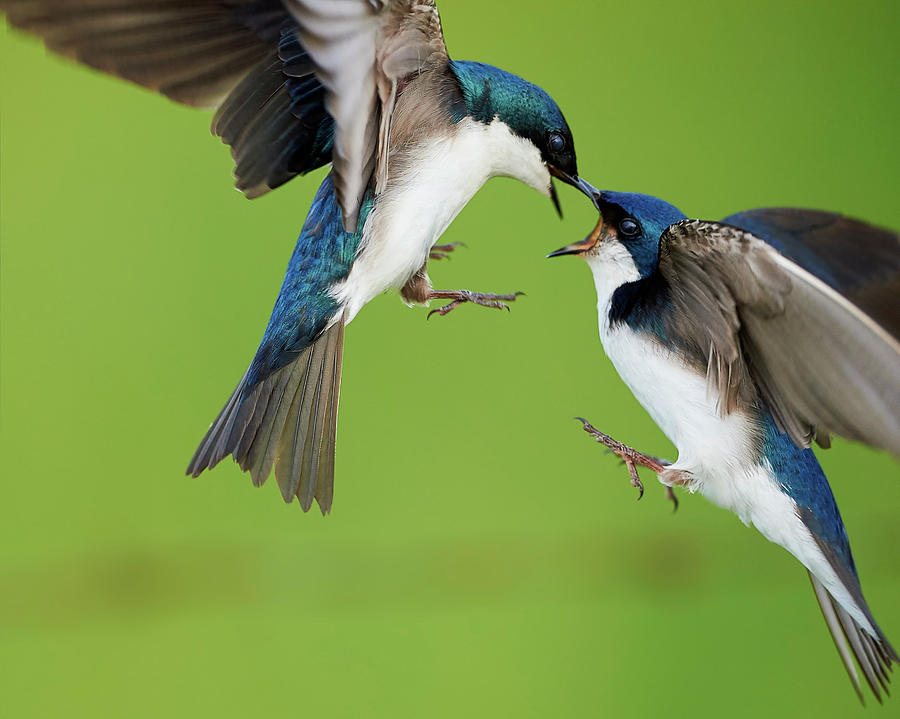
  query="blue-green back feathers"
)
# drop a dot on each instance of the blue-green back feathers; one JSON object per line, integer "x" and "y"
{"x": 323, "y": 256}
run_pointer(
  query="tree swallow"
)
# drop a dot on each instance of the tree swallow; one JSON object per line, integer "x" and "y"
{"x": 746, "y": 340}
{"x": 412, "y": 135}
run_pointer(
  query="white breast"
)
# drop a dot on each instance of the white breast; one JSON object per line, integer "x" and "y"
{"x": 709, "y": 446}
{"x": 420, "y": 203}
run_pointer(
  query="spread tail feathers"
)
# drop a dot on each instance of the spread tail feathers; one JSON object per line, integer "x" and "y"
{"x": 288, "y": 420}
{"x": 873, "y": 654}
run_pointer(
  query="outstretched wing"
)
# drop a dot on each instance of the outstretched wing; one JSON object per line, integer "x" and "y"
{"x": 364, "y": 51}
{"x": 781, "y": 320}
{"x": 269, "y": 65}
{"x": 243, "y": 54}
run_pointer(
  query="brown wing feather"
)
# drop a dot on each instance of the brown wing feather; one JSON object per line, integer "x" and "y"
{"x": 364, "y": 52}
{"x": 770, "y": 329}
{"x": 860, "y": 260}
{"x": 192, "y": 51}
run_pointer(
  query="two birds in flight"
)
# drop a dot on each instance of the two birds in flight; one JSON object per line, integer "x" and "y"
{"x": 745, "y": 339}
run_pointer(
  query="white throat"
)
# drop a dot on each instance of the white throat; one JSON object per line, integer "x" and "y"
{"x": 612, "y": 266}
{"x": 425, "y": 196}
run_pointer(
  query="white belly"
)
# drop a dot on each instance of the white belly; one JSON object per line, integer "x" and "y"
{"x": 417, "y": 205}
{"x": 719, "y": 452}
{"x": 678, "y": 401}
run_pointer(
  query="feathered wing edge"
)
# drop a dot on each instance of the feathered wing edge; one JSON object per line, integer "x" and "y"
{"x": 289, "y": 421}
{"x": 874, "y": 655}
{"x": 767, "y": 325}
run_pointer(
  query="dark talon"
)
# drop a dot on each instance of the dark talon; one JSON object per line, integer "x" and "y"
{"x": 635, "y": 480}
{"x": 670, "y": 494}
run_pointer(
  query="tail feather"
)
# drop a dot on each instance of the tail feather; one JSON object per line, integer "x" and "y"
{"x": 209, "y": 453}
{"x": 313, "y": 450}
{"x": 307, "y": 456}
{"x": 261, "y": 453}
{"x": 323, "y": 447}
{"x": 286, "y": 475}
{"x": 289, "y": 421}
{"x": 247, "y": 420}
{"x": 873, "y": 654}
{"x": 325, "y": 489}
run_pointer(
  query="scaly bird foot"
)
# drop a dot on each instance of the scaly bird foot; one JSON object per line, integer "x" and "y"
{"x": 458, "y": 297}
{"x": 634, "y": 459}
{"x": 442, "y": 252}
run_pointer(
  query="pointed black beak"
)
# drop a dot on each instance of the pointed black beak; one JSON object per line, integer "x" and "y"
{"x": 554, "y": 198}
{"x": 578, "y": 183}
{"x": 576, "y": 248}
{"x": 588, "y": 243}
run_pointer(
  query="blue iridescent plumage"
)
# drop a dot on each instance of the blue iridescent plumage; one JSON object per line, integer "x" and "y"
{"x": 322, "y": 257}
{"x": 802, "y": 479}
{"x": 283, "y": 413}
{"x": 490, "y": 92}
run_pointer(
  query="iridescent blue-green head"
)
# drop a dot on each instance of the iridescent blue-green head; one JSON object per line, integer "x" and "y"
{"x": 625, "y": 243}
{"x": 493, "y": 97}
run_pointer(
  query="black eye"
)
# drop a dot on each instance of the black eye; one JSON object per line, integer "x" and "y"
{"x": 628, "y": 227}
{"x": 556, "y": 142}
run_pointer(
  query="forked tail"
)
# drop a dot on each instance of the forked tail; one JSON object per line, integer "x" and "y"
{"x": 873, "y": 653}
{"x": 288, "y": 420}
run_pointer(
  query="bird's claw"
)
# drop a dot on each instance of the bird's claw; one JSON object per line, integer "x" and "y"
{"x": 670, "y": 494}
{"x": 458, "y": 297}
{"x": 631, "y": 458}
{"x": 635, "y": 480}
{"x": 442, "y": 252}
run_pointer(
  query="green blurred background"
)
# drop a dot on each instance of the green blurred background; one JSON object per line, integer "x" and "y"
{"x": 484, "y": 557}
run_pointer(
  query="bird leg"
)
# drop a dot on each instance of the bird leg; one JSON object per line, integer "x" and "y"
{"x": 442, "y": 252}
{"x": 634, "y": 459}
{"x": 418, "y": 290}
{"x": 458, "y": 297}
